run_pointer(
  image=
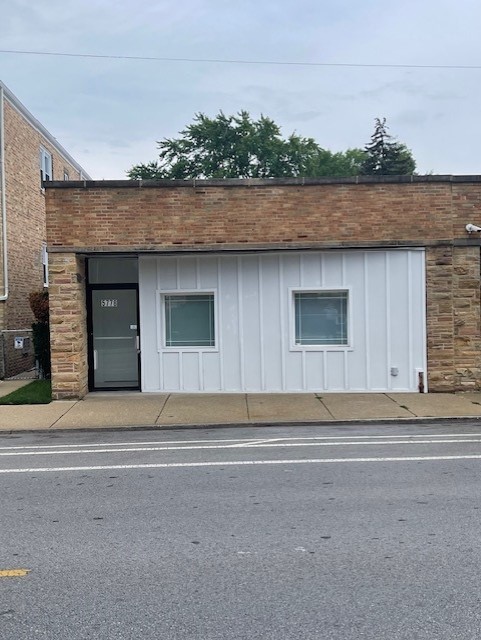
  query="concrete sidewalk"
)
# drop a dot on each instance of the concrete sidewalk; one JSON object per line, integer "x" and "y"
{"x": 126, "y": 409}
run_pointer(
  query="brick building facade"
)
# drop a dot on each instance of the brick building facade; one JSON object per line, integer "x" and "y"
{"x": 28, "y": 155}
{"x": 408, "y": 232}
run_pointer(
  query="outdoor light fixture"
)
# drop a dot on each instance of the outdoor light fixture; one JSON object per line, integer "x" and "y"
{"x": 470, "y": 228}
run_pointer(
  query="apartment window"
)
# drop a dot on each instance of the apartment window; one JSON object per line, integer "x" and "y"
{"x": 65, "y": 175}
{"x": 45, "y": 165}
{"x": 321, "y": 318}
{"x": 189, "y": 320}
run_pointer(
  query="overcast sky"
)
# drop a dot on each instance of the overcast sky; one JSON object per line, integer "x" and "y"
{"x": 109, "y": 113}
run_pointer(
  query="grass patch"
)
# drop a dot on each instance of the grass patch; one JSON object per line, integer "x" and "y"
{"x": 37, "y": 392}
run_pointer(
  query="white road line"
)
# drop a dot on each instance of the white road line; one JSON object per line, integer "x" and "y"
{"x": 255, "y": 443}
{"x": 239, "y": 440}
{"x": 251, "y": 445}
{"x": 239, "y": 463}
{"x": 120, "y": 444}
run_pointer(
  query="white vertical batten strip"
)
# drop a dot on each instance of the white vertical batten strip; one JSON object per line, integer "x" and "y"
{"x": 348, "y": 320}
{"x": 366, "y": 322}
{"x": 282, "y": 323}
{"x": 180, "y": 358}
{"x": 240, "y": 318}
{"x": 291, "y": 302}
{"x": 387, "y": 262}
{"x": 197, "y": 274}
{"x": 220, "y": 325}
{"x": 261, "y": 321}
{"x": 200, "y": 362}
{"x": 411, "y": 372}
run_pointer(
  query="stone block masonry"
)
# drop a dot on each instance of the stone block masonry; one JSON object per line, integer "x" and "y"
{"x": 68, "y": 326}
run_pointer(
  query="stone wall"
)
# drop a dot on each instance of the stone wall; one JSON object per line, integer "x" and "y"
{"x": 68, "y": 326}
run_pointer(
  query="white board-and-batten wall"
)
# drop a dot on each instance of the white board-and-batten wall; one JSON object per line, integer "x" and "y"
{"x": 255, "y": 350}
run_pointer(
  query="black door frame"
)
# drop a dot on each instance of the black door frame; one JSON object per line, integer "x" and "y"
{"x": 90, "y": 335}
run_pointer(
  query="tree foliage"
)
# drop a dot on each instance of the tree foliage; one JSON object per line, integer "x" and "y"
{"x": 39, "y": 304}
{"x": 239, "y": 147}
{"x": 386, "y": 156}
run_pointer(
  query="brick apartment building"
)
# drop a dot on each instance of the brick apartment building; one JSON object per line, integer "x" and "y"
{"x": 355, "y": 284}
{"x": 29, "y": 154}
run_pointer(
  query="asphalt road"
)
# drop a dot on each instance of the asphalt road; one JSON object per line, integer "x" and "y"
{"x": 274, "y": 533}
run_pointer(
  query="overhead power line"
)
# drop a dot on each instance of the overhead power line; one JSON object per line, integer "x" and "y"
{"x": 249, "y": 62}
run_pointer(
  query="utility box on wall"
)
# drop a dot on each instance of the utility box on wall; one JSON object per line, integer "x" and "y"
{"x": 17, "y": 352}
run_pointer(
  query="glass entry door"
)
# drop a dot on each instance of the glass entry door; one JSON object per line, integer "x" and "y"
{"x": 114, "y": 339}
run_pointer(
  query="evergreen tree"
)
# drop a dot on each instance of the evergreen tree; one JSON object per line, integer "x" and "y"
{"x": 386, "y": 156}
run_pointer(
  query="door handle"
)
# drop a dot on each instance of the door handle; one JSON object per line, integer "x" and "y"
{"x": 137, "y": 343}
{"x": 95, "y": 359}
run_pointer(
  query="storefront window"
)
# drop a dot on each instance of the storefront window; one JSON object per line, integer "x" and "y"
{"x": 189, "y": 320}
{"x": 321, "y": 317}
{"x": 113, "y": 270}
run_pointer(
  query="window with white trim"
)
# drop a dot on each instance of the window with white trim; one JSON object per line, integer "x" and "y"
{"x": 189, "y": 320}
{"x": 45, "y": 165}
{"x": 321, "y": 318}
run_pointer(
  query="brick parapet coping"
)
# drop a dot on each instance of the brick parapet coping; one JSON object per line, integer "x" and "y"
{"x": 256, "y": 182}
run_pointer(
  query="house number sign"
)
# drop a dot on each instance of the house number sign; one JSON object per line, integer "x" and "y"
{"x": 109, "y": 302}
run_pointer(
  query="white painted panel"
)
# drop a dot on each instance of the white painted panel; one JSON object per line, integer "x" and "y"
{"x": 187, "y": 273}
{"x": 418, "y": 315}
{"x": 332, "y": 269}
{"x": 291, "y": 268}
{"x": 229, "y": 309}
{"x": 167, "y": 273}
{"x": 270, "y": 292}
{"x": 207, "y": 273}
{"x": 211, "y": 372}
{"x": 250, "y": 323}
{"x": 190, "y": 371}
{"x": 334, "y": 371}
{"x": 171, "y": 371}
{"x": 358, "y": 359}
{"x": 253, "y": 306}
{"x": 377, "y": 320}
{"x": 399, "y": 320}
{"x": 149, "y": 359}
{"x": 294, "y": 380}
{"x": 314, "y": 367}
{"x": 310, "y": 270}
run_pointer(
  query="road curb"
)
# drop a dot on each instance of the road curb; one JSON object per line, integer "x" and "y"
{"x": 258, "y": 424}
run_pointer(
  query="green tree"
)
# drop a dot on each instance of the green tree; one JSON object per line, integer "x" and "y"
{"x": 386, "y": 156}
{"x": 240, "y": 147}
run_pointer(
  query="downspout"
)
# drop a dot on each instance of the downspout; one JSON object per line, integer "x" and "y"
{"x": 3, "y": 202}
